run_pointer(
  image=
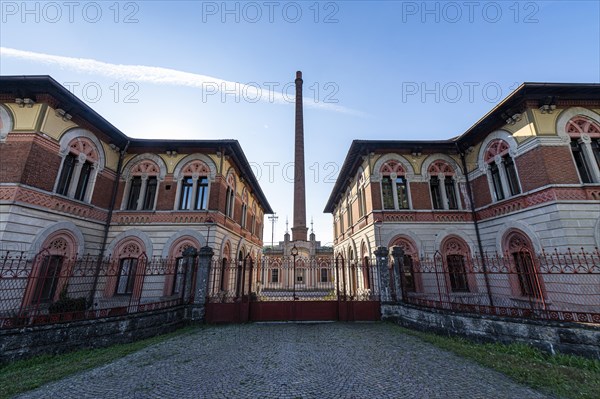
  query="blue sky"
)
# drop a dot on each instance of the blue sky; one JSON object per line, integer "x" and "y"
{"x": 372, "y": 70}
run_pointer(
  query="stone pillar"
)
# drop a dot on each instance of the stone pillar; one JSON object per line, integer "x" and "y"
{"x": 195, "y": 177}
{"x": 76, "y": 173}
{"x": 385, "y": 292}
{"x": 503, "y": 176}
{"x": 201, "y": 289}
{"x": 299, "y": 229}
{"x": 190, "y": 254}
{"x": 125, "y": 200}
{"x": 398, "y": 255}
{"x": 586, "y": 142}
{"x": 178, "y": 185}
{"x": 442, "y": 186}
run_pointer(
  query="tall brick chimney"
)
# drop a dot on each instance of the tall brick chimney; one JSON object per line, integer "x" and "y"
{"x": 299, "y": 229}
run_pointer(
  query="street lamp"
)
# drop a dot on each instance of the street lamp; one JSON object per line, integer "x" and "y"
{"x": 209, "y": 223}
{"x": 294, "y": 253}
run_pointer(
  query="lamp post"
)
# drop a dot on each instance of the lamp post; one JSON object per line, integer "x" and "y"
{"x": 294, "y": 253}
{"x": 209, "y": 223}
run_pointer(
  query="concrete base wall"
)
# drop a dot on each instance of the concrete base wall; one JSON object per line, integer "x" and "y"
{"x": 22, "y": 343}
{"x": 551, "y": 337}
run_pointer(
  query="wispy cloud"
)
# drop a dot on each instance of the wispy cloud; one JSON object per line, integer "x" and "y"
{"x": 166, "y": 76}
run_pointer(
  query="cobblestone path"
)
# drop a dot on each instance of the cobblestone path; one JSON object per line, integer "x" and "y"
{"x": 334, "y": 360}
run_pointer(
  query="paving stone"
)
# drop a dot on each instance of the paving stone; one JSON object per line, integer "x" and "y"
{"x": 330, "y": 360}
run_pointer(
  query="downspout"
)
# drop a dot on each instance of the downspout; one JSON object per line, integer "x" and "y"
{"x": 476, "y": 224}
{"x": 111, "y": 208}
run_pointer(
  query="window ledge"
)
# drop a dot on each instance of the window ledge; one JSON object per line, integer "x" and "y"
{"x": 527, "y": 300}
{"x": 73, "y": 199}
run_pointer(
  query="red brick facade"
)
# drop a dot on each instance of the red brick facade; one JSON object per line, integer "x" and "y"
{"x": 30, "y": 177}
{"x": 419, "y": 193}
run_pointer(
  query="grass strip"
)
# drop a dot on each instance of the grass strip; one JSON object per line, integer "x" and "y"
{"x": 566, "y": 376}
{"x": 25, "y": 375}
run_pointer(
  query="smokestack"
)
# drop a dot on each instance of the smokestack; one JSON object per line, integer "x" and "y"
{"x": 299, "y": 229}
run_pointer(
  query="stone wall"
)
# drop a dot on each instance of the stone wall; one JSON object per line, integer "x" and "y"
{"x": 552, "y": 337}
{"x": 22, "y": 343}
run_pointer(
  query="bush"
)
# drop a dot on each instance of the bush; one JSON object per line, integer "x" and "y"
{"x": 66, "y": 304}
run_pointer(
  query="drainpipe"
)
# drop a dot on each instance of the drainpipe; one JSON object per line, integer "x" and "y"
{"x": 111, "y": 208}
{"x": 474, "y": 216}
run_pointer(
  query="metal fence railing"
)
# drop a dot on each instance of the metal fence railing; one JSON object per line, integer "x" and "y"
{"x": 282, "y": 278}
{"x": 553, "y": 286}
{"x": 50, "y": 288}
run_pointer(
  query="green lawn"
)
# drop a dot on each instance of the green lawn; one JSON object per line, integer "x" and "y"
{"x": 561, "y": 375}
{"x": 25, "y": 375}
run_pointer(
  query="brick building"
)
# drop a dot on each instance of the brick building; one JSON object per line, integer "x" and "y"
{"x": 72, "y": 184}
{"x": 522, "y": 180}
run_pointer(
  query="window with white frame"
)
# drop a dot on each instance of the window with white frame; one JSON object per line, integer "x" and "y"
{"x": 194, "y": 186}
{"x": 275, "y": 275}
{"x": 324, "y": 275}
{"x": 126, "y": 277}
{"x": 78, "y": 169}
{"x": 230, "y": 196}
{"x": 443, "y": 186}
{"x": 349, "y": 211}
{"x": 585, "y": 147}
{"x": 253, "y": 220}
{"x": 360, "y": 194}
{"x": 501, "y": 170}
{"x": 244, "y": 208}
{"x": 142, "y": 186}
{"x": 394, "y": 186}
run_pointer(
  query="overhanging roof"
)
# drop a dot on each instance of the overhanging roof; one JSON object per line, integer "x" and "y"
{"x": 38, "y": 86}
{"x": 493, "y": 120}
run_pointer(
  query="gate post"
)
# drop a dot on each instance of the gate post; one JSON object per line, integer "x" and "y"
{"x": 398, "y": 254}
{"x": 384, "y": 276}
{"x": 200, "y": 290}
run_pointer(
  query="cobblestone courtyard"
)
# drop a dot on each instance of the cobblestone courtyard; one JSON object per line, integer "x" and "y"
{"x": 289, "y": 361}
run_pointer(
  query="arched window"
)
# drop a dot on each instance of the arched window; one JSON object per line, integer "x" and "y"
{"x": 349, "y": 212}
{"x": 51, "y": 269}
{"x": 585, "y": 147}
{"x": 142, "y": 186}
{"x": 525, "y": 279}
{"x": 244, "y": 215}
{"x": 6, "y": 123}
{"x": 443, "y": 186}
{"x": 78, "y": 169}
{"x": 411, "y": 279}
{"x": 360, "y": 194}
{"x": 230, "y": 195}
{"x": 274, "y": 271}
{"x": 253, "y": 228}
{"x": 128, "y": 269}
{"x": 501, "y": 170}
{"x": 224, "y": 283}
{"x": 176, "y": 267}
{"x": 193, "y": 186}
{"x": 394, "y": 187}
{"x": 456, "y": 255}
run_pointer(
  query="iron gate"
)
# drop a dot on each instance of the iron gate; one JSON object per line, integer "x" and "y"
{"x": 292, "y": 289}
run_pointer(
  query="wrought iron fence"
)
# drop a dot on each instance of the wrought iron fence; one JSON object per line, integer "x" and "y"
{"x": 552, "y": 286}
{"x": 286, "y": 278}
{"x": 52, "y": 289}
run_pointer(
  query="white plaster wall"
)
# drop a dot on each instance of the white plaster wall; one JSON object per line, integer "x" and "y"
{"x": 20, "y": 225}
{"x": 559, "y": 225}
